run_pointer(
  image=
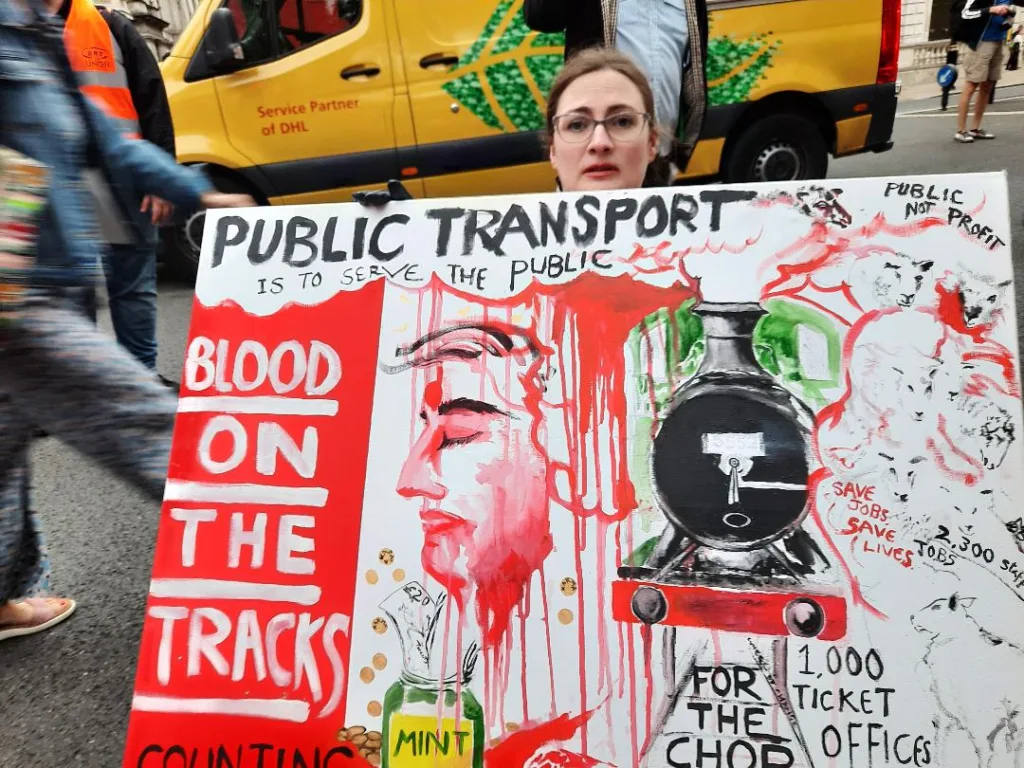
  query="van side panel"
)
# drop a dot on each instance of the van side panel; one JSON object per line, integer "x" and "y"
{"x": 199, "y": 132}
{"x": 477, "y": 81}
{"x": 852, "y": 134}
{"x": 760, "y": 48}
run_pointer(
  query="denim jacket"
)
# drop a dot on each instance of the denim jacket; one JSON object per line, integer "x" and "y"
{"x": 43, "y": 117}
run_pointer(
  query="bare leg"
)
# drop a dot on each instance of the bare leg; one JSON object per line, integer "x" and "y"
{"x": 984, "y": 92}
{"x": 965, "y": 103}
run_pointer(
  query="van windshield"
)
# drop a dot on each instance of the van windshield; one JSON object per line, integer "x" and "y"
{"x": 274, "y": 28}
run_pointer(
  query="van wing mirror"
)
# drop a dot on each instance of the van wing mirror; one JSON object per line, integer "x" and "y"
{"x": 221, "y": 44}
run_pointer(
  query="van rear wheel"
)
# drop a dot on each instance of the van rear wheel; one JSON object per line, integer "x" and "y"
{"x": 183, "y": 242}
{"x": 777, "y": 148}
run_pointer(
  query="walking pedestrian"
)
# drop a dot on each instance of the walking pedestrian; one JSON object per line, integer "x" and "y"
{"x": 57, "y": 370}
{"x": 118, "y": 72}
{"x": 982, "y": 25}
{"x": 1016, "y": 37}
{"x": 666, "y": 39}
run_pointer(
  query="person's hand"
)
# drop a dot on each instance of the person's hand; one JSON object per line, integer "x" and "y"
{"x": 161, "y": 211}
{"x": 224, "y": 200}
{"x": 999, "y": 10}
{"x": 377, "y": 197}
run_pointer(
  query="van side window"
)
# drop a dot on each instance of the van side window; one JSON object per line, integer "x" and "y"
{"x": 299, "y": 23}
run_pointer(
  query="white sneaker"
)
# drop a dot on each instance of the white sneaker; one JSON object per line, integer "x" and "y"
{"x": 963, "y": 137}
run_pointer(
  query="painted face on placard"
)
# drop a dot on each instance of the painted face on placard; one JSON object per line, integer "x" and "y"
{"x": 481, "y": 479}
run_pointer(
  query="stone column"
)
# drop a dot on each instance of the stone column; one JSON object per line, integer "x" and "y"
{"x": 159, "y": 21}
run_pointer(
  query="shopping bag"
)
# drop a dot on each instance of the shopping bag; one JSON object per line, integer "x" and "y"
{"x": 24, "y": 185}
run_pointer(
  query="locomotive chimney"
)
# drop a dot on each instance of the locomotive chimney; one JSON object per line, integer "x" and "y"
{"x": 728, "y": 337}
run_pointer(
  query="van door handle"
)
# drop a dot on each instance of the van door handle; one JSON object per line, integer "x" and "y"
{"x": 436, "y": 59}
{"x": 360, "y": 70}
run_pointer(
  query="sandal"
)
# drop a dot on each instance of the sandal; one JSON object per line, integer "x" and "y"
{"x": 46, "y": 612}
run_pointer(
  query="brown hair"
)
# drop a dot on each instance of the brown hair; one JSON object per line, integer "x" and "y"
{"x": 596, "y": 60}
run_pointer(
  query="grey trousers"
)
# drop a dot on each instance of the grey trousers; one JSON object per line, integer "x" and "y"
{"x": 59, "y": 372}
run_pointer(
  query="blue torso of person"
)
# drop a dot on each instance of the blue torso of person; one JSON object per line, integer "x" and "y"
{"x": 997, "y": 25}
{"x": 40, "y": 116}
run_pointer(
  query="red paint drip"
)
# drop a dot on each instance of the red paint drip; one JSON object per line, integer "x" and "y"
{"x": 506, "y": 673}
{"x": 601, "y": 319}
{"x": 634, "y": 707}
{"x": 547, "y": 639}
{"x": 603, "y": 665}
{"x": 581, "y": 636}
{"x": 459, "y": 650}
{"x": 444, "y": 667}
{"x": 523, "y": 615}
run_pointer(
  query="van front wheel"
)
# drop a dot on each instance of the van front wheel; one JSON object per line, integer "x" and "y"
{"x": 183, "y": 241}
{"x": 777, "y": 148}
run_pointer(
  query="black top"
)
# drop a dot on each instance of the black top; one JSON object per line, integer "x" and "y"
{"x": 969, "y": 18}
{"x": 583, "y": 22}
{"x": 587, "y": 21}
{"x": 145, "y": 82}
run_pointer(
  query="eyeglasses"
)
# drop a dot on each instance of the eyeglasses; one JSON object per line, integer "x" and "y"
{"x": 621, "y": 127}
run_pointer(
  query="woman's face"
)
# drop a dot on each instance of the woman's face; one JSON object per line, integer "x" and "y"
{"x": 599, "y": 162}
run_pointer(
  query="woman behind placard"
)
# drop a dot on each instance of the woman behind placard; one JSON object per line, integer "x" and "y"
{"x": 57, "y": 370}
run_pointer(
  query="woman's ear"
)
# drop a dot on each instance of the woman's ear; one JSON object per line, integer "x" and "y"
{"x": 652, "y": 145}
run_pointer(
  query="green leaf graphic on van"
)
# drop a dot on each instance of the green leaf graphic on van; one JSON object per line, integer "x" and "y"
{"x": 506, "y": 73}
{"x": 735, "y": 67}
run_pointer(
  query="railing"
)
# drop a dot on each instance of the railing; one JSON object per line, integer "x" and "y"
{"x": 930, "y": 55}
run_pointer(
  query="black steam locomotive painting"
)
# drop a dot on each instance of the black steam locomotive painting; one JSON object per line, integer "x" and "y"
{"x": 731, "y": 466}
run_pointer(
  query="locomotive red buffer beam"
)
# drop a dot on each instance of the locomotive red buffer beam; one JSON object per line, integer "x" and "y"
{"x": 756, "y": 612}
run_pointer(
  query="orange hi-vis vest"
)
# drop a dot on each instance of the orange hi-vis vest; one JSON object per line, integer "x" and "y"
{"x": 98, "y": 63}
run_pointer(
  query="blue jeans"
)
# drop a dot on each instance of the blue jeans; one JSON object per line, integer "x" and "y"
{"x": 130, "y": 272}
{"x": 131, "y": 288}
{"x": 655, "y": 35}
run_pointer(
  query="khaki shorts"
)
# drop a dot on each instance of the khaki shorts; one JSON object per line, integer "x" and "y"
{"x": 985, "y": 63}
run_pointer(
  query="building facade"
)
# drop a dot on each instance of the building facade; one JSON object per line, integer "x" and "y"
{"x": 916, "y": 21}
{"x": 927, "y": 20}
{"x": 159, "y": 21}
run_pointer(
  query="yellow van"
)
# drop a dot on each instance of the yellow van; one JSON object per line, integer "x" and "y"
{"x": 306, "y": 101}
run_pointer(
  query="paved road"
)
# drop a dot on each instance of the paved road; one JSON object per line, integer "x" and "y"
{"x": 64, "y": 694}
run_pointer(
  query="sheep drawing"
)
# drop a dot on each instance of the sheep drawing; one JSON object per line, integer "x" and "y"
{"x": 987, "y": 711}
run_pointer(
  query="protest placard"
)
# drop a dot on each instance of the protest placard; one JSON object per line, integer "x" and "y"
{"x": 721, "y": 476}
